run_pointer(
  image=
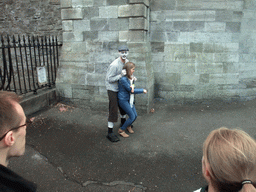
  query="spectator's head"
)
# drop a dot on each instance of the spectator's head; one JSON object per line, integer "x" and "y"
{"x": 13, "y": 124}
{"x": 229, "y": 161}
{"x": 129, "y": 66}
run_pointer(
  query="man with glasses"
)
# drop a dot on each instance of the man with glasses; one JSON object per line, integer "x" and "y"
{"x": 13, "y": 125}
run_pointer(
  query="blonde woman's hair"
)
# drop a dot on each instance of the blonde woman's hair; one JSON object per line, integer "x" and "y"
{"x": 128, "y": 66}
{"x": 231, "y": 154}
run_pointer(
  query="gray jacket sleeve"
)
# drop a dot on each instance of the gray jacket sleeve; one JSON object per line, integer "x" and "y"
{"x": 111, "y": 74}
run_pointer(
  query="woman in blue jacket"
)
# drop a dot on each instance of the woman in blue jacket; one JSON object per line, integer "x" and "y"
{"x": 126, "y": 93}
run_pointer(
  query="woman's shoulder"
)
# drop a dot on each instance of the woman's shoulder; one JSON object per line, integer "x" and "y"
{"x": 124, "y": 78}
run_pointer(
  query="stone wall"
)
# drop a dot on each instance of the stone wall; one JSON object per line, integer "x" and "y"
{"x": 203, "y": 50}
{"x": 92, "y": 32}
{"x": 185, "y": 51}
{"x": 30, "y": 17}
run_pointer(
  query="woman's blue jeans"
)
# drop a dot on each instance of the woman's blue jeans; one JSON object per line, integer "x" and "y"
{"x": 131, "y": 112}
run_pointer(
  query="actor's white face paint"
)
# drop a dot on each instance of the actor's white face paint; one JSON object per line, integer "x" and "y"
{"x": 123, "y": 54}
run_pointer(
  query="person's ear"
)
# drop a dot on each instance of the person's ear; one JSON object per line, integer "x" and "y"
{"x": 206, "y": 170}
{"x": 9, "y": 139}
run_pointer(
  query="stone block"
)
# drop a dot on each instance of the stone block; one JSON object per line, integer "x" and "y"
{"x": 190, "y": 16}
{"x": 98, "y": 57}
{"x": 209, "y": 47}
{"x": 67, "y": 25}
{"x": 72, "y": 36}
{"x": 196, "y": 26}
{"x": 98, "y": 3}
{"x": 226, "y": 47}
{"x": 125, "y": 11}
{"x": 123, "y": 36}
{"x": 172, "y": 78}
{"x": 101, "y": 68}
{"x": 189, "y": 79}
{"x": 158, "y": 36}
{"x": 64, "y": 90}
{"x": 209, "y": 68}
{"x": 99, "y": 25}
{"x": 108, "y": 12}
{"x": 137, "y": 36}
{"x": 196, "y": 47}
{"x": 76, "y": 57}
{"x": 215, "y": 26}
{"x": 182, "y": 26}
{"x": 79, "y": 47}
{"x": 203, "y": 16}
{"x": 157, "y": 16}
{"x": 54, "y": 2}
{"x": 204, "y": 57}
{"x": 120, "y": 24}
{"x": 115, "y": 2}
{"x": 145, "y": 2}
{"x": 66, "y": 3}
{"x": 233, "y": 27}
{"x": 172, "y": 36}
{"x": 103, "y": 90}
{"x": 204, "y": 78}
{"x": 136, "y": 10}
{"x": 91, "y": 35}
{"x": 81, "y": 94}
{"x": 250, "y": 5}
{"x": 246, "y": 58}
{"x": 82, "y": 3}
{"x": 73, "y": 75}
{"x": 224, "y": 15}
{"x": 185, "y": 26}
{"x": 177, "y": 52}
{"x": 248, "y": 25}
{"x": 91, "y": 12}
{"x": 92, "y": 46}
{"x": 212, "y": 37}
{"x": 163, "y": 5}
{"x": 157, "y": 57}
{"x": 231, "y": 67}
{"x": 108, "y": 35}
{"x": 138, "y": 24}
{"x": 81, "y": 25}
{"x": 210, "y": 5}
{"x": 181, "y": 68}
{"x": 160, "y": 26}
{"x": 226, "y": 57}
{"x": 159, "y": 67}
{"x": 140, "y": 48}
{"x": 71, "y": 14}
{"x": 157, "y": 47}
{"x": 224, "y": 79}
{"x": 95, "y": 79}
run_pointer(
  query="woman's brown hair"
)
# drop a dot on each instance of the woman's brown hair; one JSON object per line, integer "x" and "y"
{"x": 128, "y": 66}
{"x": 231, "y": 155}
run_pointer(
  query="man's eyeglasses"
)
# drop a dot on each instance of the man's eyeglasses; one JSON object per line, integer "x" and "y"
{"x": 28, "y": 122}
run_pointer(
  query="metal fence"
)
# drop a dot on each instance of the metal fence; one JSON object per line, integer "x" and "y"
{"x": 28, "y": 63}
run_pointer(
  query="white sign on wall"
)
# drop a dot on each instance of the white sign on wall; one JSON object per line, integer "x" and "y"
{"x": 42, "y": 75}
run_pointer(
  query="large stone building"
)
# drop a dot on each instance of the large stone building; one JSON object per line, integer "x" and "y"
{"x": 184, "y": 50}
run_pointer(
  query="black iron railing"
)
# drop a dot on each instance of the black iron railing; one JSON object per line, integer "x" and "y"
{"x": 28, "y": 63}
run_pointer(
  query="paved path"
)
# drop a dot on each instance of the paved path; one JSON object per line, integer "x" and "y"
{"x": 68, "y": 150}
